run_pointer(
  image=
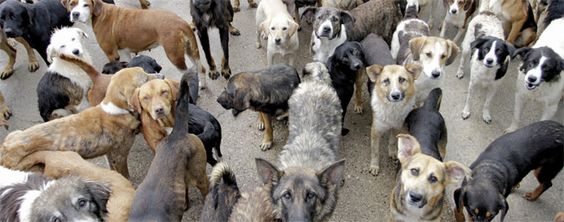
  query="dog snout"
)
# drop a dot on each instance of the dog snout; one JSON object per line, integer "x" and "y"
{"x": 160, "y": 111}
{"x": 76, "y": 52}
{"x": 75, "y": 15}
{"x": 9, "y": 32}
{"x": 277, "y": 40}
{"x": 326, "y": 29}
{"x": 415, "y": 197}
{"x": 357, "y": 65}
{"x": 453, "y": 11}
{"x": 532, "y": 79}
{"x": 396, "y": 96}
{"x": 489, "y": 61}
{"x": 436, "y": 73}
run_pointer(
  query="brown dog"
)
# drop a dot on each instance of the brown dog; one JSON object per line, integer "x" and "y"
{"x": 58, "y": 164}
{"x": 522, "y": 27}
{"x": 136, "y": 30}
{"x": 108, "y": 128}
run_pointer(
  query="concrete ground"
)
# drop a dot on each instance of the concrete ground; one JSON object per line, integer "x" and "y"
{"x": 363, "y": 197}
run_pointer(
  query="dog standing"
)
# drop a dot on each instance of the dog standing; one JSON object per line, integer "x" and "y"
{"x": 504, "y": 163}
{"x": 180, "y": 161}
{"x": 423, "y": 7}
{"x": 274, "y": 20}
{"x": 329, "y": 30}
{"x": 458, "y": 14}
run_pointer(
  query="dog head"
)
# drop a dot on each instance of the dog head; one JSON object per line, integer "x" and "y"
{"x": 423, "y": 179}
{"x": 327, "y": 21}
{"x": 114, "y": 66}
{"x": 394, "y": 82}
{"x": 316, "y": 72}
{"x": 349, "y": 54}
{"x": 156, "y": 97}
{"x": 433, "y": 53}
{"x": 493, "y": 52}
{"x": 71, "y": 199}
{"x": 456, "y": 6}
{"x": 67, "y": 41}
{"x": 412, "y": 5}
{"x": 300, "y": 193}
{"x": 279, "y": 29}
{"x": 540, "y": 65}
{"x": 82, "y": 10}
{"x": 148, "y": 64}
{"x": 482, "y": 201}
{"x": 238, "y": 93}
{"x": 14, "y": 18}
{"x": 123, "y": 85}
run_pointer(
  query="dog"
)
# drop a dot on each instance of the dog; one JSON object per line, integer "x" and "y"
{"x": 148, "y": 64}
{"x": 329, "y": 31}
{"x": 60, "y": 164}
{"x": 155, "y": 100}
{"x": 265, "y": 91}
{"x": 423, "y": 7}
{"x": 107, "y": 18}
{"x": 180, "y": 161}
{"x": 214, "y": 13}
{"x": 316, "y": 71}
{"x": 504, "y": 163}
{"x": 237, "y": 5}
{"x": 421, "y": 185}
{"x": 344, "y": 66}
{"x": 108, "y": 128}
{"x": 275, "y": 22}
{"x": 458, "y": 14}
{"x": 33, "y": 197}
{"x": 5, "y": 112}
{"x": 393, "y": 97}
{"x": 29, "y": 21}
{"x": 543, "y": 63}
{"x": 63, "y": 89}
{"x": 519, "y": 17}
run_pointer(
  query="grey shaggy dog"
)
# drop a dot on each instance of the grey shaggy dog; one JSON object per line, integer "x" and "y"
{"x": 316, "y": 71}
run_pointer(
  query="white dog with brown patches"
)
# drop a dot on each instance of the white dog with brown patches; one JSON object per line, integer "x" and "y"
{"x": 275, "y": 22}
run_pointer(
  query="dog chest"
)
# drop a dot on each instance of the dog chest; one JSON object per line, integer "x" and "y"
{"x": 390, "y": 115}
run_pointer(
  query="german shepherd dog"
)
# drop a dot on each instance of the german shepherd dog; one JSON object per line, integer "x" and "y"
{"x": 266, "y": 91}
{"x": 306, "y": 187}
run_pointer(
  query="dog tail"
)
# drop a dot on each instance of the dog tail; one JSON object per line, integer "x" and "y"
{"x": 224, "y": 191}
{"x": 222, "y": 172}
{"x": 89, "y": 69}
{"x": 433, "y": 101}
{"x": 182, "y": 117}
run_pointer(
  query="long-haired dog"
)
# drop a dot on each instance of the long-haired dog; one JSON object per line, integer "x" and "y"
{"x": 33, "y": 197}
{"x": 265, "y": 91}
{"x": 63, "y": 89}
{"x": 458, "y": 14}
{"x": 306, "y": 186}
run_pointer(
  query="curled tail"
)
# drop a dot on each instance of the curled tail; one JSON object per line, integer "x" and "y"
{"x": 224, "y": 193}
{"x": 89, "y": 69}
{"x": 433, "y": 101}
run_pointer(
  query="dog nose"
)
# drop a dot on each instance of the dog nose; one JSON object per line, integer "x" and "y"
{"x": 9, "y": 32}
{"x": 76, "y": 52}
{"x": 532, "y": 79}
{"x": 326, "y": 29}
{"x": 436, "y": 73}
{"x": 75, "y": 14}
{"x": 159, "y": 111}
{"x": 277, "y": 40}
{"x": 415, "y": 197}
{"x": 357, "y": 66}
{"x": 489, "y": 61}
{"x": 396, "y": 95}
{"x": 453, "y": 11}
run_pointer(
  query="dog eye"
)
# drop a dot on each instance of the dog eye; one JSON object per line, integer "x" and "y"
{"x": 334, "y": 19}
{"x": 272, "y": 28}
{"x": 310, "y": 196}
{"x": 82, "y": 203}
{"x": 145, "y": 98}
{"x": 164, "y": 92}
{"x": 432, "y": 179}
{"x": 443, "y": 56}
{"x": 284, "y": 28}
{"x": 386, "y": 81}
{"x": 287, "y": 196}
{"x": 85, "y": 5}
{"x": 73, "y": 39}
{"x": 63, "y": 46}
{"x": 429, "y": 54}
{"x": 401, "y": 79}
{"x": 414, "y": 171}
{"x": 56, "y": 219}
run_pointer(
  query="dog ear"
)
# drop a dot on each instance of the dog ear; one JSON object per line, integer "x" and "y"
{"x": 347, "y": 18}
{"x": 522, "y": 52}
{"x": 511, "y": 49}
{"x": 373, "y": 71}
{"x": 135, "y": 103}
{"x": 333, "y": 174}
{"x": 267, "y": 172}
{"x": 467, "y": 4}
{"x": 414, "y": 69}
{"x": 456, "y": 172}
{"x": 51, "y": 53}
{"x": 453, "y": 50}
{"x": 97, "y": 7}
{"x": 263, "y": 27}
{"x": 309, "y": 14}
{"x": 407, "y": 147}
{"x": 478, "y": 43}
{"x": 100, "y": 194}
{"x": 174, "y": 87}
{"x": 292, "y": 27}
{"x": 65, "y": 3}
{"x": 504, "y": 207}
{"x": 459, "y": 200}
{"x": 416, "y": 45}
{"x": 81, "y": 33}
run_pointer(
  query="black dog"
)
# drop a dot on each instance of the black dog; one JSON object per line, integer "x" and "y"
{"x": 207, "y": 128}
{"x": 343, "y": 65}
{"x": 148, "y": 64}
{"x": 214, "y": 13}
{"x": 504, "y": 163}
{"x": 33, "y": 22}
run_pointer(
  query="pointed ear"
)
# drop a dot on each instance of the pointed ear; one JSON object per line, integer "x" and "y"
{"x": 414, "y": 70}
{"x": 416, "y": 45}
{"x": 333, "y": 174}
{"x": 292, "y": 27}
{"x": 309, "y": 14}
{"x": 100, "y": 193}
{"x": 174, "y": 87}
{"x": 267, "y": 172}
{"x": 65, "y": 4}
{"x": 504, "y": 207}
{"x": 453, "y": 51}
{"x": 373, "y": 71}
{"x": 407, "y": 147}
{"x": 134, "y": 101}
{"x": 456, "y": 172}
{"x": 522, "y": 52}
{"x": 347, "y": 18}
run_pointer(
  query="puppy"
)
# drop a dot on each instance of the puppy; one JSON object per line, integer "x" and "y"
{"x": 274, "y": 21}
{"x": 393, "y": 97}
{"x": 108, "y": 128}
{"x": 5, "y": 112}
{"x": 543, "y": 63}
{"x": 180, "y": 161}
{"x": 504, "y": 163}
{"x": 33, "y": 22}
{"x": 265, "y": 91}
{"x": 344, "y": 67}
{"x": 63, "y": 89}
{"x": 458, "y": 14}
{"x": 60, "y": 164}
{"x": 33, "y": 197}
{"x": 421, "y": 185}
{"x": 214, "y": 13}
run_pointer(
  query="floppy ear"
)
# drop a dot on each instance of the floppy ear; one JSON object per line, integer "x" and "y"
{"x": 416, "y": 45}
{"x": 459, "y": 199}
{"x": 263, "y": 27}
{"x": 174, "y": 87}
{"x": 82, "y": 33}
{"x": 97, "y": 7}
{"x": 28, "y": 22}
{"x": 504, "y": 207}
{"x": 522, "y": 52}
{"x": 51, "y": 53}
{"x": 456, "y": 172}
{"x": 373, "y": 71}
{"x": 134, "y": 101}
{"x": 407, "y": 147}
{"x": 333, "y": 174}
{"x": 467, "y": 4}
{"x": 453, "y": 50}
{"x": 477, "y": 43}
{"x": 414, "y": 70}
{"x": 511, "y": 49}
{"x": 347, "y": 18}
{"x": 309, "y": 14}
{"x": 292, "y": 27}
{"x": 100, "y": 194}
{"x": 267, "y": 172}
{"x": 65, "y": 4}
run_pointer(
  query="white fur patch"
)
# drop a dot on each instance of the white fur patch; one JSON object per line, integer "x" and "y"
{"x": 27, "y": 201}
{"x": 491, "y": 54}
{"x": 168, "y": 130}
{"x": 83, "y": 10}
{"x": 10, "y": 177}
{"x": 112, "y": 109}
{"x": 323, "y": 48}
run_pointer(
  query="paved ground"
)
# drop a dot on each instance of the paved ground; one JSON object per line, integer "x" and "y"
{"x": 364, "y": 197}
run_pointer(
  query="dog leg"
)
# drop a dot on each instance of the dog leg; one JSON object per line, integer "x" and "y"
{"x": 291, "y": 59}
{"x": 205, "y": 43}
{"x": 224, "y": 37}
{"x": 486, "y": 116}
{"x": 33, "y": 65}
{"x": 260, "y": 122}
{"x": 535, "y": 194}
{"x": 144, "y": 4}
{"x": 515, "y": 30}
{"x": 234, "y": 31}
{"x": 259, "y": 38}
{"x": 5, "y": 112}
{"x": 465, "y": 55}
{"x": 471, "y": 88}
{"x": 269, "y": 57}
{"x": 8, "y": 69}
{"x": 267, "y": 137}
{"x": 516, "y": 112}
{"x": 374, "y": 150}
{"x": 236, "y": 5}
{"x": 443, "y": 29}
{"x": 393, "y": 144}
{"x": 459, "y": 33}
{"x": 358, "y": 90}
{"x": 550, "y": 109}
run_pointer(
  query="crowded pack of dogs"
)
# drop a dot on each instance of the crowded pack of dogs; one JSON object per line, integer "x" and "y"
{"x": 387, "y": 45}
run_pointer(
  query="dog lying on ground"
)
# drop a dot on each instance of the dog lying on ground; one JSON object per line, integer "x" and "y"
{"x": 274, "y": 21}
{"x": 540, "y": 74}
{"x": 33, "y": 197}
{"x": 180, "y": 161}
{"x": 265, "y": 91}
{"x": 59, "y": 164}
{"x": 421, "y": 184}
{"x": 108, "y": 128}
{"x": 393, "y": 97}
{"x": 5, "y": 112}
{"x": 504, "y": 163}
{"x": 458, "y": 14}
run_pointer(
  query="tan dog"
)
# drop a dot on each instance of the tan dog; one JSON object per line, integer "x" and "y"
{"x": 108, "y": 128}
{"x": 5, "y": 112}
{"x": 393, "y": 97}
{"x": 516, "y": 13}
{"x": 420, "y": 192}
{"x": 154, "y": 101}
{"x": 136, "y": 30}
{"x": 8, "y": 47}
{"x": 58, "y": 164}
{"x": 559, "y": 217}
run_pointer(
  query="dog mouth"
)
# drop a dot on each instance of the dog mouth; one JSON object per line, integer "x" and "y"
{"x": 531, "y": 86}
{"x": 489, "y": 66}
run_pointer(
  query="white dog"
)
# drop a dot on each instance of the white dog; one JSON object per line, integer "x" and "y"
{"x": 274, "y": 20}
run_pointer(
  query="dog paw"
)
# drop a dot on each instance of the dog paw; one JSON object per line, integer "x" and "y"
{"x": 33, "y": 66}
{"x": 487, "y": 118}
{"x": 6, "y": 73}
{"x": 145, "y": 4}
{"x": 264, "y": 146}
{"x": 202, "y": 84}
{"x": 236, "y": 9}
{"x": 234, "y": 31}
{"x": 465, "y": 114}
{"x": 509, "y": 130}
{"x": 253, "y": 5}
{"x": 226, "y": 73}
{"x": 213, "y": 74}
{"x": 358, "y": 109}
{"x": 531, "y": 196}
{"x": 260, "y": 126}
{"x": 374, "y": 170}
